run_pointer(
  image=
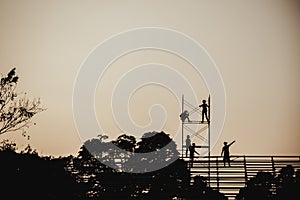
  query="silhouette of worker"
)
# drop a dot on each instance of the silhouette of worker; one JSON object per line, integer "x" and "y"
{"x": 192, "y": 149}
{"x": 187, "y": 145}
{"x": 204, "y": 107}
{"x": 225, "y": 151}
{"x": 184, "y": 116}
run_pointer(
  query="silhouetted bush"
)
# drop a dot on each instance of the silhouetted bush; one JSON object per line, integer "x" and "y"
{"x": 265, "y": 185}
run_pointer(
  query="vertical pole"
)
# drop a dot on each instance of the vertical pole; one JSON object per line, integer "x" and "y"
{"x": 245, "y": 169}
{"x": 182, "y": 108}
{"x": 218, "y": 179}
{"x": 209, "y": 107}
{"x": 273, "y": 165}
{"x": 209, "y": 125}
{"x": 209, "y": 138}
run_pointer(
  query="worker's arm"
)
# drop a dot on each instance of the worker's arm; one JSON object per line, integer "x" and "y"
{"x": 231, "y": 143}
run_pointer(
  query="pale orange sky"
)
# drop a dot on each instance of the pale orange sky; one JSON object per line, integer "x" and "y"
{"x": 255, "y": 45}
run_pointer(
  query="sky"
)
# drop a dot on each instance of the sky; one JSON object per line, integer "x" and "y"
{"x": 254, "y": 44}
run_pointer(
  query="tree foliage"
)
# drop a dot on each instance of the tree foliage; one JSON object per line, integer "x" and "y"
{"x": 267, "y": 186}
{"x": 16, "y": 110}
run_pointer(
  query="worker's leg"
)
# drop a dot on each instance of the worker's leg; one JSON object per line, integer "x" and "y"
{"x": 206, "y": 117}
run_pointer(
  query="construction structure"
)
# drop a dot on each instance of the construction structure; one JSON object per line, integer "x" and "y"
{"x": 230, "y": 180}
{"x": 195, "y": 126}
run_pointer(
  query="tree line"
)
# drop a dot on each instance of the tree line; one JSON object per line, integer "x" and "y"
{"x": 25, "y": 174}
{"x": 28, "y": 175}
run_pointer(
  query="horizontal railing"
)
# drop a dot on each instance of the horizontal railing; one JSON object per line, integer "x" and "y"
{"x": 229, "y": 180}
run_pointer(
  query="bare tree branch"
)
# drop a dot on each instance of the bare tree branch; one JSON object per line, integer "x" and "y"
{"x": 16, "y": 112}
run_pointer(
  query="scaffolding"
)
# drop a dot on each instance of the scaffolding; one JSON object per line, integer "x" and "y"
{"x": 196, "y": 125}
{"x": 227, "y": 180}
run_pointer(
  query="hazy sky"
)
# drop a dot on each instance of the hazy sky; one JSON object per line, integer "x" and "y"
{"x": 255, "y": 45}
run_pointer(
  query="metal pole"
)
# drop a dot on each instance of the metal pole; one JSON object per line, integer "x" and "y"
{"x": 209, "y": 107}
{"x": 245, "y": 168}
{"x": 273, "y": 165}
{"x": 182, "y": 108}
{"x": 209, "y": 138}
{"x": 218, "y": 179}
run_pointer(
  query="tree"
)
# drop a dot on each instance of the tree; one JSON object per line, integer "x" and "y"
{"x": 125, "y": 142}
{"x": 165, "y": 182}
{"x": 201, "y": 190}
{"x": 7, "y": 145}
{"x": 89, "y": 171}
{"x": 27, "y": 175}
{"x": 259, "y": 187}
{"x": 287, "y": 183}
{"x": 16, "y": 111}
{"x": 161, "y": 144}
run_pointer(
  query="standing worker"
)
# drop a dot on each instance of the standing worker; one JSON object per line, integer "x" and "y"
{"x": 204, "y": 107}
{"x": 225, "y": 150}
{"x": 192, "y": 149}
{"x": 187, "y": 145}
